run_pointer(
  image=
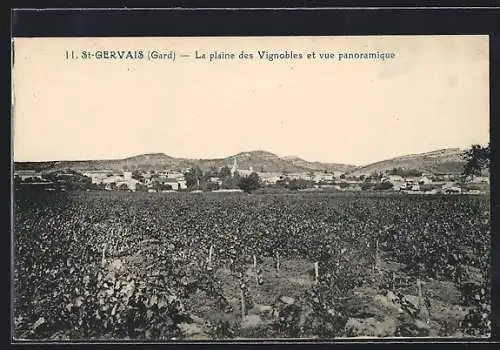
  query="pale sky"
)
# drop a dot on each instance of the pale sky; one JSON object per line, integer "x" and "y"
{"x": 434, "y": 94}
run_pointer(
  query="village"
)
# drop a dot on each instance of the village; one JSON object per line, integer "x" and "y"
{"x": 226, "y": 179}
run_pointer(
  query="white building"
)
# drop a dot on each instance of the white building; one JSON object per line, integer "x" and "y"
{"x": 127, "y": 175}
{"x": 299, "y": 176}
{"x": 395, "y": 178}
{"x": 27, "y": 174}
{"x": 245, "y": 172}
{"x": 175, "y": 184}
{"x": 452, "y": 190}
{"x": 323, "y": 177}
{"x": 270, "y": 178}
{"x": 424, "y": 180}
{"x": 215, "y": 180}
{"x": 97, "y": 176}
{"x": 480, "y": 179}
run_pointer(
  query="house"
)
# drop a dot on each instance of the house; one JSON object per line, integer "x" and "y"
{"x": 113, "y": 181}
{"x": 175, "y": 184}
{"x": 480, "y": 180}
{"x": 132, "y": 184}
{"x": 175, "y": 180}
{"x": 412, "y": 179}
{"x": 474, "y": 192}
{"x": 116, "y": 179}
{"x": 322, "y": 177}
{"x": 397, "y": 185}
{"x": 24, "y": 175}
{"x": 446, "y": 177}
{"x": 270, "y": 178}
{"x": 298, "y": 176}
{"x": 97, "y": 176}
{"x": 395, "y": 178}
{"x": 175, "y": 175}
{"x": 215, "y": 180}
{"x": 244, "y": 172}
{"x": 410, "y": 186}
{"x": 424, "y": 180}
{"x": 452, "y": 190}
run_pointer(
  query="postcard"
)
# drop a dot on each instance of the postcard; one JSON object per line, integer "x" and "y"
{"x": 175, "y": 189}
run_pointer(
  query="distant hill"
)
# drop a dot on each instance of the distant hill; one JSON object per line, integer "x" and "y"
{"x": 144, "y": 161}
{"x": 319, "y": 166}
{"x": 264, "y": 162}
{"x": 258, "y": 160}
{"x": 447, "y": 161}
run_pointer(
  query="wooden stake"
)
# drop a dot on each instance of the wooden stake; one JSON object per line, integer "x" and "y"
{"x": 420, "y": 298}
{"x": 103, "y": 261}
{"x": 210, "y": 253}
{"x": 316, "y": 271}
{"x": 424, "y": 313}
{"x": 376, "y": 256}
{"x": 243, "y": 311}
{"x": 255, "y": 270}
{"x": 277, "y": 260}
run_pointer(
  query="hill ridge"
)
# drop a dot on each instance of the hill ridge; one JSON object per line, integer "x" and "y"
{"x": 446, "y": 160}
{"x": 441, "y": 160}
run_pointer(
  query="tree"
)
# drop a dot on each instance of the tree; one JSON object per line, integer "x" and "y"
{"x": 298, "y": 184}
{"x": 224, "y": 172}
{"x": 384, "y": 186}
{"x": 366, "y": 186}
{"x": 122, "y": 187}
{"x": 404, "y": 172}
{"x": 211, "y": 186}
{"x": 249, "y": 183}
{"x": 193, "y": 177}
{"x": 139, "y": 187}
{"x": 212, "y": 172}
{"x": 376, "y": 176}
{"x": 136, "y": 174}
{"x": 477, "y": 159}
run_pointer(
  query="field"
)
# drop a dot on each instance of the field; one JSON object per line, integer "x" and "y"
{"x": 151, "y": 266}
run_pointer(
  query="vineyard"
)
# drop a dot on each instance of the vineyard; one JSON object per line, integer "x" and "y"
{"x": 141, "y": 266}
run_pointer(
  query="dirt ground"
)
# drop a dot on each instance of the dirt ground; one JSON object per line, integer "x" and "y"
{"x": 372, "y": 314}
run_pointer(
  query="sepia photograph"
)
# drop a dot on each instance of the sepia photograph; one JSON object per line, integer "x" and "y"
{"x": 171, "y": 189}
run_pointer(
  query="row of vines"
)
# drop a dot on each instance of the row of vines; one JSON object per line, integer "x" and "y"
{"x": 69, "y": 281}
